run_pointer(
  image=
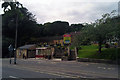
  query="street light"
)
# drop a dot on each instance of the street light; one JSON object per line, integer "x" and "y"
{"x": 16, "y": 40}
{"x": 16, "y": 36}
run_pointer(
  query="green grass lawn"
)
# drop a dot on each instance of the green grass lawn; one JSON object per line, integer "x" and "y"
{"x": 91, "y": 51}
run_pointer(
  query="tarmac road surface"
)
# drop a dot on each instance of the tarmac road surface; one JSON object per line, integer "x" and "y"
{"x": 38, "y": 68}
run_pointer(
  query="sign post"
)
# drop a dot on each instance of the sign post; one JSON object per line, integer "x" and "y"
{"x": 10, "y": 48}
{"x": 76, "y": 52}
{"x": 67, "y": 39}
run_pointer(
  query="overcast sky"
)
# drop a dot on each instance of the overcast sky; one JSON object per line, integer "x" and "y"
{"x": 72, "y": 11}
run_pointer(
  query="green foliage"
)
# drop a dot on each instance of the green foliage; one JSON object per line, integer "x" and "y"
{"x": 56, "y": 28}
{"x": 102, "y": 30}
{"x": 87, "y": 51}
{"x": 5, "y": 43}
{"x": 26, "y": 22}
{"x": 16, "y": 14}
{"x": 28, "y": 29}
{"x": 75, "y": 27}
{"x": 91, "y": 52}
{"x": 84, "y": 37}
{"x": 110, "y": 53}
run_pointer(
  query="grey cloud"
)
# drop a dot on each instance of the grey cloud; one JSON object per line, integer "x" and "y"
{"x": 73, "y": 12}
{"x": 90, "y": 15}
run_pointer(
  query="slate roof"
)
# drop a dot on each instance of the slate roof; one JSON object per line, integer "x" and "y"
{"x": 27, "y": 46}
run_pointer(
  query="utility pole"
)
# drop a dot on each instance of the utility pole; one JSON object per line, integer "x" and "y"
{"x": 68, "y": 50}
{"x": 16, "y": 35}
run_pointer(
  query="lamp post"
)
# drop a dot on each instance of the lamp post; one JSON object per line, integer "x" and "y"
{"x": 16, "y": 36}
{"x": 16, "y": 39}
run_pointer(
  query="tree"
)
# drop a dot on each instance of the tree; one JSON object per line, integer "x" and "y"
{"x": 102, "y": 28}
{"x": 56, "y": 28}
{"x": 100, "y": 31}
{"x": 60, "y": 27}
{"x": 76, "y": 27}
{"x": 25, "y": 21}
{"x": 85, "y": 36}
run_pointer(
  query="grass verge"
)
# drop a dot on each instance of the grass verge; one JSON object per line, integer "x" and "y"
{"x": 91, "y": 51}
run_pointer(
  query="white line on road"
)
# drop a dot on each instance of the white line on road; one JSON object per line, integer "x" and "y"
{"x": 15, "y": 77}
{"x": 12, "y": 77}
{"x": 106, "y": 68}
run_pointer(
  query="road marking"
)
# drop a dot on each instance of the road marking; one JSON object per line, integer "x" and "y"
{"x": 110, "y": 68}
{"x": 36, "y": 71}
{"x": 12, "y": 77}
{"x": 49, "y": 72}
{"x": 93, "y": 63}
{"x": 15, "y": 77}
{"x": 54, "y": 73}
{"x": 102, "y": 67}
{"x": 106, "y": 68}
{"x": 63, "y": 69}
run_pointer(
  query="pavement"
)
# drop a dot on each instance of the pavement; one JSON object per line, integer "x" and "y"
{"x": 41, "y": 68}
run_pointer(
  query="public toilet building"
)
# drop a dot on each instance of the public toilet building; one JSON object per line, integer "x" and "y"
{"x": 28, "y": 51}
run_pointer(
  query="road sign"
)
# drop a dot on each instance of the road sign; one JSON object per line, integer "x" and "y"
{"x": 67, "y": 38}
{"x": 10, "y": 48}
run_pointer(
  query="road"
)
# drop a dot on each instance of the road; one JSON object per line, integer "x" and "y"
{"x": 38, "y": 68}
